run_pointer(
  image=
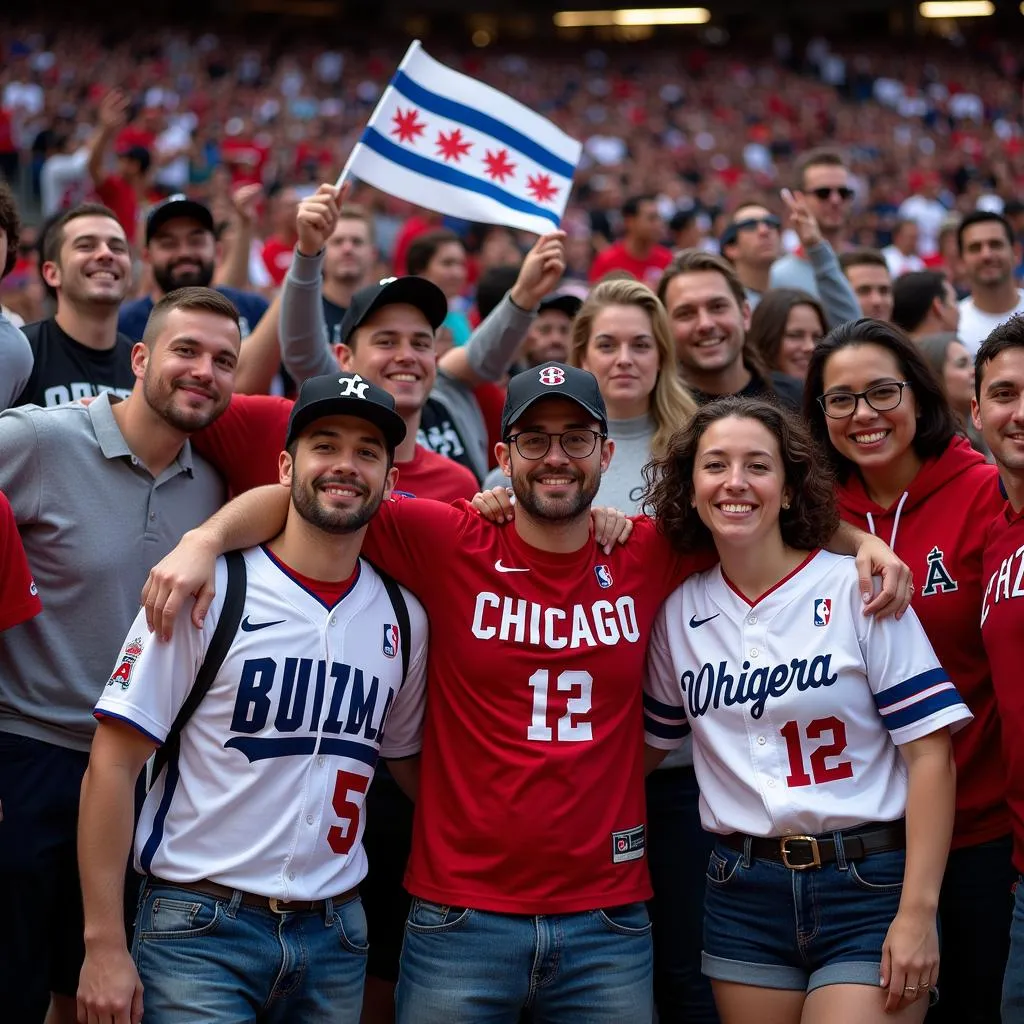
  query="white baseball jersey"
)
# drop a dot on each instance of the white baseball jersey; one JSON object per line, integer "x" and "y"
{"x": 267, "y": 794}
{"x": 796, "y": 702}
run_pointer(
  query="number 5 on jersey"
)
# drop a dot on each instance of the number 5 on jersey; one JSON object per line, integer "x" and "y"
{"x": 570, "y": 726}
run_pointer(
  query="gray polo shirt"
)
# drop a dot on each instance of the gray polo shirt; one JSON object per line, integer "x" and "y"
{"x": 93, "y": 522}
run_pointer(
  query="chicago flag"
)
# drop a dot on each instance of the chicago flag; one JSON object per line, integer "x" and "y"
{"x": 445, "y": 141}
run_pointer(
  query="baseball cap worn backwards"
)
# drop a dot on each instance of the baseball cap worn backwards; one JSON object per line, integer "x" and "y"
{"x": 346, "y": 394}
{"x": 552, "y": 380}
{"x": 424, "y": 295}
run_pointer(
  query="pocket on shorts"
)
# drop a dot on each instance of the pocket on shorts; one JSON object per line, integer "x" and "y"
{"x": 350, "y": 924}
{"x": 627, "y": 919}
{"x": 178, "y": 917}
{"x": 428, "y": 917}
{"x": 880, "y": 873}
{"x": 723, "y": 865}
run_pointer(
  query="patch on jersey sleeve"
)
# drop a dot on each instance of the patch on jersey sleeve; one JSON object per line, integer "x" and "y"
{"x": 629, "y": 844}
{"x": 391, "y": 640}
{"x": 33, "y": 590}
{"x": 123, "y": 672}
{"x": 822, "y": 610}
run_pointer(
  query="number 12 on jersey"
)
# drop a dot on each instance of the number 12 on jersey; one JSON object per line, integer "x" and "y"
{"x": 821, "y": 770}
{"x": 570, "y": 726}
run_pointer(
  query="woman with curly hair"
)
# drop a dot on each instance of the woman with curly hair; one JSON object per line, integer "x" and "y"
{"x": 820, "y": 736}
{"x": 906, "y": 473}
{"x": 785, "y": 327}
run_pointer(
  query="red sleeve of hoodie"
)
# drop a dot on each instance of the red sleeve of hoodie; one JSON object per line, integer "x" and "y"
{"x": 940, "y": 535}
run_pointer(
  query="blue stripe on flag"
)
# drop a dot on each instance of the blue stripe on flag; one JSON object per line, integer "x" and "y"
{"x": 922, "y": 709}
{"x": 473, "y": 118}
{"x": 412, "y": 161}
{"x": 910, "y": 687}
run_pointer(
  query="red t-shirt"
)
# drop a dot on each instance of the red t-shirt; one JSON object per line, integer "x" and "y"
{"x": 531, "y": 795}
{"x": 491, "y": 399}
{"x": 246, "y": 159}
{"x": 19, "y": 599}
{"x": 246, "y": 442}
{"x": 277, "y": 258}
{"x": 115, "y": 193}
{"x": 615, "y": 257}
{"x": 1002, "y": 629}
{"x": 940, "y": 536}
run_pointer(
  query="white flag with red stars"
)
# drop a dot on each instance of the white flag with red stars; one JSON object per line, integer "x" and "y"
{"x": 445, "y": 141}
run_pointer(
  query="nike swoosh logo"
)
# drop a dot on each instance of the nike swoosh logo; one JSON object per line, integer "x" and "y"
{"x": 695, "y": 622}
{"x": 506, "y": 568}
{"x": 251, "y": 627}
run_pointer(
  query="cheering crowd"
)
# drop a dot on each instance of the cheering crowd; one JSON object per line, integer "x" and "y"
{"x": 625, "y": 625}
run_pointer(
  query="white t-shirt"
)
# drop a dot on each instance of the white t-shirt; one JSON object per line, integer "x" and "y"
{"x": 899, "y": 263}
{"x": 976, "y": 326}
{"x": 928, "y": 214}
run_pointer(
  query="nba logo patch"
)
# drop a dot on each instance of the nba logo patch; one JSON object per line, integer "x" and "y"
{"x": 604, "y": 576}
{"x": 822, "y": 610}
{"x": 390, "y": 645}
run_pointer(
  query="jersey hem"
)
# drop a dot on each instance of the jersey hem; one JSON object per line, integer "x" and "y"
{"x": 63, "y": 738}
{"x": 488, "y": 902}
{"x": 975, "y": 835}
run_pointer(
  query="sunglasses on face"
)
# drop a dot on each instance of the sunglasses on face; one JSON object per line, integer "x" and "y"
{"x": 752, "y": 223}
{"x": 823, "y": 194}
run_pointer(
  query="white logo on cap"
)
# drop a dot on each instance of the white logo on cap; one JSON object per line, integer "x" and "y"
{"x": 353, "y": 387}
{"x": 386, "y": 280}
{"x": 552, "y": 375}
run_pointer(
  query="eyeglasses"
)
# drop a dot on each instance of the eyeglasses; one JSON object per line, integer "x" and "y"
{"x": 750, "y": 223}
{"x": 535, "y": 444}
{"x": 845, "y": 193}
{"x": 837, "y": 405}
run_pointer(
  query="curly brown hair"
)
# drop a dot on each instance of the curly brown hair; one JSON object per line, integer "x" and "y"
{"x": 812, "y": 516}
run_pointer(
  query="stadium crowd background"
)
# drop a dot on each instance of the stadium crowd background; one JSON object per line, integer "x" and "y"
{"x": 704, "y": 128}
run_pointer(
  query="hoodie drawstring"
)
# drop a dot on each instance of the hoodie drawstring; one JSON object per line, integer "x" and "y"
{"x": 895, "y": 523}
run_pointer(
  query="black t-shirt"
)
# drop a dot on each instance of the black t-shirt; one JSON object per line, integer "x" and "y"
{"x": 439, "y": 433}
{"x": 786, "y": 390}
{"x": 64, "y": 370}
{"x": 333, "y": 315}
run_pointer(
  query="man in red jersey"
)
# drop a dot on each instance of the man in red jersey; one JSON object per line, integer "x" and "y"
{"x": 998, "y": 411}
{"x": 528, "y": 866}
{"x": 639, "y": 252}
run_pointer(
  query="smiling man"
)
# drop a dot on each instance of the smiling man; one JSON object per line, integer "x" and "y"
{"x": 78, "y": 352}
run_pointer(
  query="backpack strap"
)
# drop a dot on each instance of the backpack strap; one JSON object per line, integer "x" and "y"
{"x": 220, "y": 644}
{"x": 401, "y": 616}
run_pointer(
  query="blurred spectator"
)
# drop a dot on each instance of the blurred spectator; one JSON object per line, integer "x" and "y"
{"x": 278, "y": 248}
{"x": 784, "y": 329}
{"x": 550, "y": 335}
{"x": 925, "y": 303}
{"x": 953, "y": 367}
{"x": 927, "y": 211}
{"x": 440, "y": 256}
{"x": 901, "y": 255}
{"x": 15, "y": 353}
{"x": 989, "y": 253}
{"x": 869, "y": 277}
{"x": 752, "y": 242}
{"x": 638, "y": 252}
{"x": 685, "y": 230}
{"x": 64, "y": 176}
{"x": 349, "y": 258}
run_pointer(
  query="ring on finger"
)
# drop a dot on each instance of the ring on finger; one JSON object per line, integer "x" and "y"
{"x": 911, "y": 989}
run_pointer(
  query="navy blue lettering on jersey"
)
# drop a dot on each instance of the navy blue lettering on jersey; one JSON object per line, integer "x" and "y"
{"x": 714, "y": 688}
{"x": 251, "y": 307}
{"x": 289, "y": 699}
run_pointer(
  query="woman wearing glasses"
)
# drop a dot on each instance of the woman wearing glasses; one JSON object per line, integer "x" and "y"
{"x": 820, "y": 737}
{"x": 906, "y": 473}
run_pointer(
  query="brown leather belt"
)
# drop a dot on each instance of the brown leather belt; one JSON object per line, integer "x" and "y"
{"x": 225, "y": 892}
{"x": 802, "y": 852}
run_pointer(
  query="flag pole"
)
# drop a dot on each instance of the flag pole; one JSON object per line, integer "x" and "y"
{"x": 414, "y": 46}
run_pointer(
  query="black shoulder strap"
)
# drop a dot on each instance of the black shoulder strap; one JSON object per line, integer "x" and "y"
{"x": 220, "y": 643}
{"x": 401, "y": 614}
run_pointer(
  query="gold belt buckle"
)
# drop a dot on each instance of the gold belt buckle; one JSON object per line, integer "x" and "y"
{"x": 815, "y": 853}
{"x": 275, "y": 905}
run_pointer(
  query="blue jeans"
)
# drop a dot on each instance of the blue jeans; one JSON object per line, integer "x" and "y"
{"x": 216, "y": 961}
{"x": 462, "y": 966}
{"x": 678, "y": 850}
{"x": 1013, "y": 980}
{"x": 975, "y": 908}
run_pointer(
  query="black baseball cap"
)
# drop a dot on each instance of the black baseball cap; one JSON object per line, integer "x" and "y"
{"x": 413, "y": 291}
{"x": 564, "y": 303}
{"x": 346, "y": 394}
{"x": 552, "y": 380}
{"x": 177, "y": 206}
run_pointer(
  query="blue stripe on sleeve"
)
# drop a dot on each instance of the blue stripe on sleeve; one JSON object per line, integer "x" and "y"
{"x": 910, "y": 687}
{"x": 665, "y": 731}
{"x": 922, "y": 709}
{"x": 657, "y": 707}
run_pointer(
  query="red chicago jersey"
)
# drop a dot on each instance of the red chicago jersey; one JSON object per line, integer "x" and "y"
{"x": 19, "y": 599}
{"x": 531, "y": 795}
{"x": 1002, "y": 629}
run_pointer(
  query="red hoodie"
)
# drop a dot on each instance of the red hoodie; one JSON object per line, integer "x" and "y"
{"x": 938, "y": 528}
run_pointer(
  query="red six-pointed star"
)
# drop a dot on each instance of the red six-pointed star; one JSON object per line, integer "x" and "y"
{"x": 452, "y": 146}
{"x": 541, "y": 188}
{"x": 406, "y": 125}
{"x": 498, "y": 166}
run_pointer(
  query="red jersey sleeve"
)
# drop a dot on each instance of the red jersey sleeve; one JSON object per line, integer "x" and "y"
{"x": 245, "y": 442}
{"x": 19, "y": 600}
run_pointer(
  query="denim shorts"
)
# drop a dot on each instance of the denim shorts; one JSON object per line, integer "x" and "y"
{"x": 770, "y": 926}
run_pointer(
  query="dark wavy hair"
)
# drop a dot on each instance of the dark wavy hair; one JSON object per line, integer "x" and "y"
{"x": 936, "y": 422}
{"x": 768, "y": 323}
{"x": 10, "y": 224}
{"x": 812, "y": 516}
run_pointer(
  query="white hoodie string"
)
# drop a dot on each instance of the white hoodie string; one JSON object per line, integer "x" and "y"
{"x": 895, "y": 524}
